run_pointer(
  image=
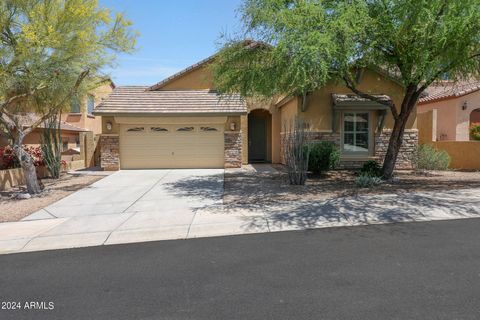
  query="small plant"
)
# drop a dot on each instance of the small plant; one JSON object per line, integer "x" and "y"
{"x": 324, "y": 156}
{"x": 367, "y": 181}
{"x": 475, "y": 131}
{"x": 371, "y": 168}
{"x": 428, "y": 157}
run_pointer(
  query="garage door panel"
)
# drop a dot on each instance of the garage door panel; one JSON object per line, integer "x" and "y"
{"x": 144, "y": 148}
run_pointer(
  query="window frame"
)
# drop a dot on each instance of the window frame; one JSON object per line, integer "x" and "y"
{"x": 90, "y": 98}
{"x": 359, "y": 154}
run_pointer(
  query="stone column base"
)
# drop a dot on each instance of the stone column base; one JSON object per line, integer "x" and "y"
{"x": 110, "y": 152}
{"x": 233, "y": 149}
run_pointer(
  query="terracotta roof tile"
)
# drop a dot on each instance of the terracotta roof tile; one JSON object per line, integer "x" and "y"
{"x": 140, "y": 100}
{"x": 449, "y": 89}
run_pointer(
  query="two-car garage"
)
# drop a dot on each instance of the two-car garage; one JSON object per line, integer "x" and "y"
{"x": 182, "y": 145}
{"x": 160, "y": 129}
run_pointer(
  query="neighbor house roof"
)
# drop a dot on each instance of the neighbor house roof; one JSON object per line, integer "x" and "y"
{"x": 27, "y": 120}
{"x": 448, "y": 89}
{"x": 140, "y": 100}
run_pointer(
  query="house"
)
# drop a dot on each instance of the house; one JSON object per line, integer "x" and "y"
{"x": 455, "y": 106}
{"x": 181, "y": 122}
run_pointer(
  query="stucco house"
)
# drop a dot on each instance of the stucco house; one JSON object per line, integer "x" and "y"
{"x": 79, "y": 118}
{"x": 455, "y": 106}
{"x": 181, "y": 122}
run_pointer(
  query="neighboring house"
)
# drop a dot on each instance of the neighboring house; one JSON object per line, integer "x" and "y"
{"x": 181, "y": 122}
{"x": 79, "y": 119}
{"x": 455, "y": 106}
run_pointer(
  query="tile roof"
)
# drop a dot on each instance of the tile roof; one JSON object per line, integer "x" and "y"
{"x": 140, "y": 100}
{"x": 27, "y": 120}
{"x": 448, "y": 89}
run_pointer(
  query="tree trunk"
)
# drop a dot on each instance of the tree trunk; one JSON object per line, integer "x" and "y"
{"x": 396, "y": 139}
{"x": 394, "y": 145}
{"x": 28, "y": 166}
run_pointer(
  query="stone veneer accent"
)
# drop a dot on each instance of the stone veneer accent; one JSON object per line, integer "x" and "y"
{"x": 110, "y": 152}
{"x": 407, "y": 150}
{"x": 404, "y": 160}
{"x": 233, "y": 149}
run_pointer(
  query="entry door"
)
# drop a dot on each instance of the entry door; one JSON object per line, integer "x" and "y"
{"x": 257, "y": 139}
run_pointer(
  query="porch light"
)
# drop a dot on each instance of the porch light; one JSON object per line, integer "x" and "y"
{"x": 464, "y": 105}
{"x": 109, "y": 126}
{"x": 232, "y": 126}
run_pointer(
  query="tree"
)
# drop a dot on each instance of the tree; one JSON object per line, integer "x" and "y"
{"x": 50, "y": 52}
{"x": 302, "y": 44}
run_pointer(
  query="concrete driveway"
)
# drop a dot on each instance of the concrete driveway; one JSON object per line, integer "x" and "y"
{"x": 128, "y": 206}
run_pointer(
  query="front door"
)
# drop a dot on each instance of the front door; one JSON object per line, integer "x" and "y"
{"x": 257, "y": 139}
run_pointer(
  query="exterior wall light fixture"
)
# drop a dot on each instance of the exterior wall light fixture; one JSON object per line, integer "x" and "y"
{"x": 232, "y": 126}
{"x": 464, "y": 106}
{"x": 109, "y": 126}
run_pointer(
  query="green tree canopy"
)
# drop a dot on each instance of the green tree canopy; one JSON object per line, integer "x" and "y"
{"x": 302, "y": 44}
{"x": 50, "y": 51}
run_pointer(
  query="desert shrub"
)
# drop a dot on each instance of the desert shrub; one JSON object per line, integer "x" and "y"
{"x": 367, "y": 181}
{"x": 52, "y": 147}
{"x": 475, "y": 131}
{"x": 294, "y": 142}
{"x": 428, "y": 157}
{"x": 323, "y": 156}
{"x": 371, "y": 168}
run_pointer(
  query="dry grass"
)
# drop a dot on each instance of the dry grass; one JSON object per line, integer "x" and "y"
{"x": 13, "y": 209}
{"x": 254, "y": 187}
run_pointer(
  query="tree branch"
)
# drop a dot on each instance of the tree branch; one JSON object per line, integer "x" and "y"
{"x": 351, "y": 85}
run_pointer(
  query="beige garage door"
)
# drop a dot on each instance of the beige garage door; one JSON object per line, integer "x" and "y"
{"x": 171, "y": 146}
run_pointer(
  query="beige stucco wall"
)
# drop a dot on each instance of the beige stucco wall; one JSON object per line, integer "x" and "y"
{"x": 464, "y": 154}
{"x": 453, "y": 122}
{"x": 427, "y": 126}
{"x": 319, "y": 110}
{"x": 196, "y": 79}
{"x": 83, "y": 119}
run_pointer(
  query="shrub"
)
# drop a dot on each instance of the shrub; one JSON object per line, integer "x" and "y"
{"x": 429, "y": 158}
{"x": 367, "y": 181}
{"x": 8, "y": 160}
{"x": 475, "y": 131}
{"x": 294, "y": 142}
{"x": 371, "y": 168}
{"x": 324, "y": 156}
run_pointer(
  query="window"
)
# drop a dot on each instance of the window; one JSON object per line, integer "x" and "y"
{"x": 75, "y": 105}
{"x": 158, "y": 129}
{"x": 136, "y": 129}
{"x": 208, "y": 129}
{"x": 90, "y": 104}
{"x": 356, "y": 133}
{"x": 185, "y": 129}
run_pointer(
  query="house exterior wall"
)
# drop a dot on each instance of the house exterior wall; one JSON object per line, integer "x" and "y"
{"x": 83, "y": 119}
{"x": 196, "y": 79}
{"x": 319, "y": 114}
{"x": 453, "y": 122}
{"x": 34, "y": 138}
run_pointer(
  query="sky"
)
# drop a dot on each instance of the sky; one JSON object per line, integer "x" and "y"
{"x": 173, "y": 35}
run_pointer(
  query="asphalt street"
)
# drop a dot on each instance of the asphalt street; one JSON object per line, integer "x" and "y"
{"x": 428, "y": 270}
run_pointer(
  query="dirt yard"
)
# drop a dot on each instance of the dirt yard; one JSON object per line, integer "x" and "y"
{"x": 258, "y": 187}
{"x": 14, "y": 209}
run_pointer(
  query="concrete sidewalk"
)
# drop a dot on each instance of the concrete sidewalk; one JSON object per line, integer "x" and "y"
{"x": 149, "y": 205}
